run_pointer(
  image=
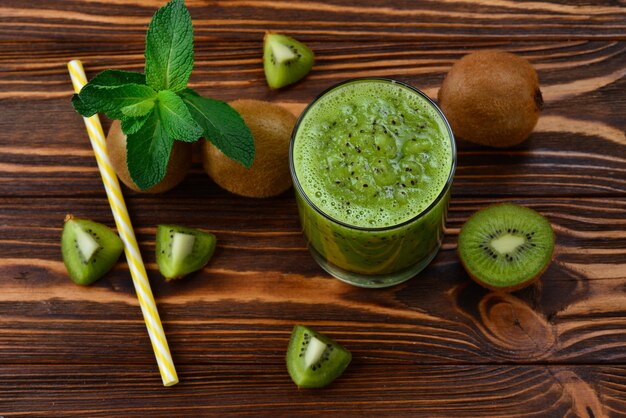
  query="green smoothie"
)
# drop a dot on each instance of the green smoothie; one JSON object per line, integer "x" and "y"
{"x": 372, "y": 161}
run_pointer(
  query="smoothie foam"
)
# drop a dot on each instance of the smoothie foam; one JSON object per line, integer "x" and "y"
{"x": 372, "y": 154}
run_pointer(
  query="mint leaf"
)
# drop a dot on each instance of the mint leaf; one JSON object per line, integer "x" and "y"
{"x": 222, "y": 125}
{"x": 107, "y": 78}
{"x": 81, "y": 107}
{"x": 131, "y": 125}
{"x": 116, "y": 78}
{"x": 140, "y": 108}
{"x": 177, "y": 120}
{"x": 169, "y": 48}
{"x": 148, "y": 152}
{"x": 111, "y": 100}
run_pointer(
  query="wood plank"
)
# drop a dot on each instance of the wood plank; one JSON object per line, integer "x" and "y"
{"x": 241, "y": 308}
{"x": 366, "y": 389}
{"x": 570, "y": 153}
{"x": 230, "y": 69}
{"x": 125, "y": 21}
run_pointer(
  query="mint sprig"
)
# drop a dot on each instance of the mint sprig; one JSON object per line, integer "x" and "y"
{"x": 157, "y": 108}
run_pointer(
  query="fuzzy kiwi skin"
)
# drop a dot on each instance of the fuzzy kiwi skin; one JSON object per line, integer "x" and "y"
{"x": 503, "y": 289}
{"x": 177, "y": 167}
{"x": 491, "y": 98}
{"x": 271, "y": 126}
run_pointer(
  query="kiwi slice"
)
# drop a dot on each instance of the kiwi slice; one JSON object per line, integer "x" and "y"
{"x": 180, "y": 250}
{"x": 285, "y": 60}
{"x": 314, "y": 360}
{"x": 506, "y": 247}
{"x": 89, "y": 249}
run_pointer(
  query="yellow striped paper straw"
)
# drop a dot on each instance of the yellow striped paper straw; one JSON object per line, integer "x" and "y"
{"x": 122, "y": 220}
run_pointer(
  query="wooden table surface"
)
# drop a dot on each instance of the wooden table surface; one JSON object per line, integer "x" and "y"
{"x": 438, "y": 345}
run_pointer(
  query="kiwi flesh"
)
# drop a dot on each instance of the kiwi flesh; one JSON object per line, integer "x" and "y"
{"x": 285, "y": 60}
{"x": 314, "y": 360}
{"x": 506, "y": 247}
{"x": 181, "y": 250}
{"x": 491, "y": 98}
{"x": 269, "y": 175}
{"x": 89, "y": 249}
{"x": 177, "y": 167}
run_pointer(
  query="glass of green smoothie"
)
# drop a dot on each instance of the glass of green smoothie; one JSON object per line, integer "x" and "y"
{"x": 372, "y": 162}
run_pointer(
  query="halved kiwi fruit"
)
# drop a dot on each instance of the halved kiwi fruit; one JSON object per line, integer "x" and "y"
{"x": 314, "y": 360}
{"x": 506, "y": 247}
{"x": 491, "y": 98}
{"x": 177, "y": 167}
{"x": 271, "y": 127}
{"x": 89, "y": 249}
{"x": 285, "y": 60}
{"x": 181, "y": 250}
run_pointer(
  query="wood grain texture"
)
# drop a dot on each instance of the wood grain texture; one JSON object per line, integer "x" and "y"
{"x": 366, "y": 389}
{"x": 125, "y": 20}
{"x": 438, "y": 345}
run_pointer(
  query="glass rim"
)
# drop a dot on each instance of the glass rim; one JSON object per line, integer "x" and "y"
{"x": 434, "y": 203}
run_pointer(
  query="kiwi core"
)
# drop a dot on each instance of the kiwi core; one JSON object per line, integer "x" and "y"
{"x": 282, "y": 53}
{"x": 508, "y": 243}
{"x": 182, "y": 246}
{"x": 372, "y": 153}
{"x": 314, "y": 351}
{"x": 87, "y": 245}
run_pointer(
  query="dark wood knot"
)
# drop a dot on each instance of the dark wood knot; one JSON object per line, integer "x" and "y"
{"x": 515, "y": 327}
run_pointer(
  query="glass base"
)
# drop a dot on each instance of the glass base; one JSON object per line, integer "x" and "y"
{"x": 373, "y": 281}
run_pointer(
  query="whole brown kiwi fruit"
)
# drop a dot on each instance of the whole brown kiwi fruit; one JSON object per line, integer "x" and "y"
{"x": 269, "y": 175}
{"x": 491, "y": 98}
{"x": 177, "y": 167}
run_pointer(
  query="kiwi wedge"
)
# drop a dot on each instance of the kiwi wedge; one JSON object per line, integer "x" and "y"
{"x": 177, "y": 166}
{"x": 506, "y": 247}
{"x": 89, "y": 249}
{"x": 314, "y": 360}
{"x": 491, "y": 98}
{"x": 271, "y": 127}
{"x": 285, "y": 60}
{"x": 180, "y": 250}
